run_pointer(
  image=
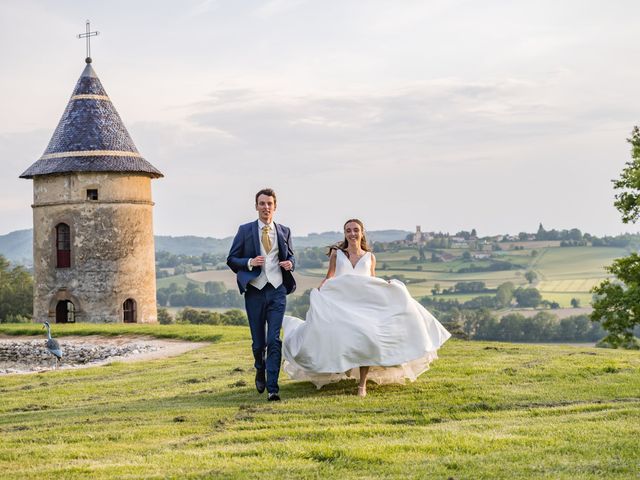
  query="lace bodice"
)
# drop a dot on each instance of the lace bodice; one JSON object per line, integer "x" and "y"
{"x": 344, "y": 267}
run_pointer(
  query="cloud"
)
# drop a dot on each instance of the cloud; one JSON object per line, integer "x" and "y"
{"x": 370, "y": 125}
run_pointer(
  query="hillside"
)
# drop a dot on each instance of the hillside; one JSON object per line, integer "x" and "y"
{"x": 18, "y": 246}
{"x": 484, "y": 410}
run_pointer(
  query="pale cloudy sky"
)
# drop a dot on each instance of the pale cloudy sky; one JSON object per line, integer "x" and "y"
{"x": 494, "y": 115}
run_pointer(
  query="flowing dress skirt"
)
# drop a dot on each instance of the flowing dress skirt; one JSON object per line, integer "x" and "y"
{"x": 355, "y": 321}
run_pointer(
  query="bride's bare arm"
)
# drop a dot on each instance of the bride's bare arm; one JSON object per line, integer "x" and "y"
{"x": 373, "y": 265}
{"x": 332, "y": 268}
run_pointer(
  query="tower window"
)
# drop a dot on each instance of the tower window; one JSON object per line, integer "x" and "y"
{"x": 63, "y": 246}
{"x": 92, "y": 194}
{"x": 129, "y": 311}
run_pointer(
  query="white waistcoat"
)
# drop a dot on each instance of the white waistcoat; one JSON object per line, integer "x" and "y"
{"x": 271, "y": 272}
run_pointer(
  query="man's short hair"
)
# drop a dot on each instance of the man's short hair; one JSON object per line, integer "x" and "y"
{"x": 269, "y": 193}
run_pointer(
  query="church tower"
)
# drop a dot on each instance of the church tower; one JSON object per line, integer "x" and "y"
{"x": 93, "y": 250}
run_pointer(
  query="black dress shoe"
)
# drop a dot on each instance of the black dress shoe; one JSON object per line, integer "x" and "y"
{"x": 261, "y": 381}
{"x": 273, "y": 397}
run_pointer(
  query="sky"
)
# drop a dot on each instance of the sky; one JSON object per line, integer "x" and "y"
{"x": 495, "y": 115}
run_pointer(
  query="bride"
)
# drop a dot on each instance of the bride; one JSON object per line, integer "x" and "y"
{"x": 359, "y": 326}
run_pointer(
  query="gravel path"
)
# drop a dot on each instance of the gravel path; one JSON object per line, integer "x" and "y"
{"x": 28, "y": 354}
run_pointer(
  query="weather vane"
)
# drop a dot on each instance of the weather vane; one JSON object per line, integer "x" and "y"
{"x": 88, "y": 34}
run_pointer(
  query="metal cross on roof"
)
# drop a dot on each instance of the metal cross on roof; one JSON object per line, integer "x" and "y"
{"x": 88, "y": 34}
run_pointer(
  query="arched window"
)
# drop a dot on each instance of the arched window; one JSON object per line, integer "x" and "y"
{"x": 63, "y": 245}
{"x": 129, "y": 311}
{"x": 65, "y": 312}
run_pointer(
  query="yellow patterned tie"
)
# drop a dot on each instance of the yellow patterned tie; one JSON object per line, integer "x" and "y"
{"x": 266, "y": 240}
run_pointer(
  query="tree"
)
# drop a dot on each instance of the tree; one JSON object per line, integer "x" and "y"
{"x": 504, "y": 294}
{"x": 466, "y": 256}
{"x": 531, "y": 276}
{"x": 617, "y": 305}
{"x": 436, "y": 289}
{"x": 527, "y": 297}
{"x": 16, "y": 292}
{"x": 214, "y": 288}
{"x": 628, "y": 199}
{"x": 575, "y": 302}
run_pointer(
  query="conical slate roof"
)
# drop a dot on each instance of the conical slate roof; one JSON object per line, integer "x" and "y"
{"x": 90, "y": 137}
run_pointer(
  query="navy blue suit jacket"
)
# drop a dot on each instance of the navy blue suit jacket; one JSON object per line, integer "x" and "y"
{"x": 246, "y": 245}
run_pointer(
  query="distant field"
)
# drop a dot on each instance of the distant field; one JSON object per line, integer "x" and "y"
{"x": 226, "y": 276}
{"x": 558, "y": 312}
{"x": 563, "y": 273}
{"x": 576, "y": 262}
{"x": 573, "y": 285}
{"x": 179, "y": 280}
{"x": 305, "y": 280}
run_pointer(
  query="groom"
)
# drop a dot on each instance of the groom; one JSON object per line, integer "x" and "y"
{"x": 262, "y": 257}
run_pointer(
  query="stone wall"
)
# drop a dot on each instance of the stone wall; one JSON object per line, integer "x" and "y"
{"x": 112, "y": 250}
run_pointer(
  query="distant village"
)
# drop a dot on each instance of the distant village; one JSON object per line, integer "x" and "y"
{"x": 482, "y": 247}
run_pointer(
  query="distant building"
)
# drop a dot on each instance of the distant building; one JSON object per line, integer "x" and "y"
{"x": 459, "y": 242}
{"x": 485, "y": 247}
{"x": 420, "y": 237}
{"x": 92, "y": 217}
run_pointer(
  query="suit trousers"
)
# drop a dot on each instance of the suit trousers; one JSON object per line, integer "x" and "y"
{"x": 265, "y": 310}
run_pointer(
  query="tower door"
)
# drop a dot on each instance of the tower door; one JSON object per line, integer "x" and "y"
{"x": 129, "y": 310}
{"x": 65, "y": 312}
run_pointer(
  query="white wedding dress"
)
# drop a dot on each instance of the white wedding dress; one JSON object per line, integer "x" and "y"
{"x": 358, "y": 320}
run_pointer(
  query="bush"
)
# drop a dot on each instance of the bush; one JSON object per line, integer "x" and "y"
{"x": 164, "y": 317}
{"x": 16, "y": 318}
{"x": 234, "y": 317}
{"x": 198, "y": 317}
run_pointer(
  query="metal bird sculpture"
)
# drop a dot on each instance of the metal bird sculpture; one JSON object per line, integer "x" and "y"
{"x": 53, "y": 347}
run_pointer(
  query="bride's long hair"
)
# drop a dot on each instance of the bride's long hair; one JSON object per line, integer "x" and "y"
{"x": 364, "y": 245}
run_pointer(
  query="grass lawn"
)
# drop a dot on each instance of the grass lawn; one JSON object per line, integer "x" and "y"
{"x": 484, "y": 411}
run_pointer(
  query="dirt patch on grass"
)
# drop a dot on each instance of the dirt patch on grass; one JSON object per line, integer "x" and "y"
{"x": 29, "y": 355}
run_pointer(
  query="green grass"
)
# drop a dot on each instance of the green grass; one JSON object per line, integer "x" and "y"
{"x": 484, "y": 411}
{"x": 193, "y": 333}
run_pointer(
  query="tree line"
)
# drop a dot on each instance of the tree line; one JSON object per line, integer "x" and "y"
{"x": 193, "y": 316}
{"x": 214, "y": 294}
{"x": 515, "y": 327}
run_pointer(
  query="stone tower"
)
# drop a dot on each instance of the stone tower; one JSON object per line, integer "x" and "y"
{"x": 93, "y": 252}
